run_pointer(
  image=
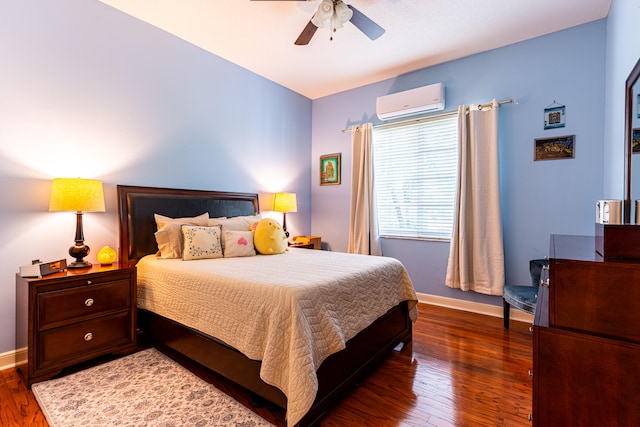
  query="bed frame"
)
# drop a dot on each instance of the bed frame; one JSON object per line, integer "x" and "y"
{"x": 337, "y": 374}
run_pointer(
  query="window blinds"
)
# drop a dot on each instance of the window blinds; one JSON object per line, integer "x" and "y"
{"x": 415, "y": 171}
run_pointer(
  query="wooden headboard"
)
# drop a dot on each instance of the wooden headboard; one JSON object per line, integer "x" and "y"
{"x": 136, "y": 206}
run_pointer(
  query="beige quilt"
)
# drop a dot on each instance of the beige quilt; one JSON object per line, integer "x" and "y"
{"x": 291, "y": 311}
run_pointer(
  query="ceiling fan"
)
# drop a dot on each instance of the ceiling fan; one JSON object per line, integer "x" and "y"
{"x": 333, "y": 14}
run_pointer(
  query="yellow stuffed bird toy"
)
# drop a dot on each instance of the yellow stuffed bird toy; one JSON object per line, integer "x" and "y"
{"x": 269, "y": 237}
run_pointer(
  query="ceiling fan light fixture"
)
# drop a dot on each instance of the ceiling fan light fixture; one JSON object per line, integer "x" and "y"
{"x": 334, "y": 13}
{"x": 342, "y": 13}
{"x": 323, "y": 13}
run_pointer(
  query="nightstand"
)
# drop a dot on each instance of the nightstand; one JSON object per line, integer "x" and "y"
{"x": 301, "y": 245}
{"x": 73, "y": 316}
{"x": 309, "y": 242}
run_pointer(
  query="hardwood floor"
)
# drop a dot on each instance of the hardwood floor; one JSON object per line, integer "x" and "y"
{"x": 462, "y": 369}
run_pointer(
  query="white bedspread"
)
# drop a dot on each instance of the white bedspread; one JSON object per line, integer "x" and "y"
{"x": 290, "y": 311}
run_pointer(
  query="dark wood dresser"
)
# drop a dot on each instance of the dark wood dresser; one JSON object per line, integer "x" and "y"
{"x": 73, "y": 316}
{"x": 586, "y": 342}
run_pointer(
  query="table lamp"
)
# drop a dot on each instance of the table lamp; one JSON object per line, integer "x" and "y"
{"x": 79, "y": 195}
{"x": 285, "y": 202}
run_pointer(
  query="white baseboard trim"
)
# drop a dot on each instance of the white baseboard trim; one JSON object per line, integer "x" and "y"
{"x": 9, "y": 359}
{"x": 474, "y": 307}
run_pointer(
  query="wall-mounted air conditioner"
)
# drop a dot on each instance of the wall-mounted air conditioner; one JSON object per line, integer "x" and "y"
{"x": 410, "y": 102}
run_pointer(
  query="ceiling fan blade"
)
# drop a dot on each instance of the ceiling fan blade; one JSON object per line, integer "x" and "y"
{"x": 366, "y": 25}
{"x": 306, "y": 34}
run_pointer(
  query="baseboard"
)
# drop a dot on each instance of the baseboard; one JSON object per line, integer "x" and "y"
{"x": 474, "y": 307}
{"x": 9, "y": 359}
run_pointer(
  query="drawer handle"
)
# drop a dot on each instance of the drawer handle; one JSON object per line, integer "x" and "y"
{"x": 88, "y": 336}
{"x": 88, "y": 282}
{"x": 530, "y": 373}
{"x": 89, "y": 302}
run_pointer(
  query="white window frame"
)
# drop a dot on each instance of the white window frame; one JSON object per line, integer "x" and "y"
{"x": 415, "y": 167}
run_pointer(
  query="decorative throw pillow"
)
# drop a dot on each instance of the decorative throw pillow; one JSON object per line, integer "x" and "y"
{"x": 269, "y": 237}
{"x": 236, "y": 223}
{"x": 238, "y": 243}
{"x": 201, "y": 242}
{"x": 169, "y": 235}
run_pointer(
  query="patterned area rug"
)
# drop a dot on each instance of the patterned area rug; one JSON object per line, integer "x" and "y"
{"x": 143, "y": 389}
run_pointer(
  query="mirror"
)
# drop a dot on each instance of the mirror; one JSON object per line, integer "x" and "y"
{"x": 632, "y": 146}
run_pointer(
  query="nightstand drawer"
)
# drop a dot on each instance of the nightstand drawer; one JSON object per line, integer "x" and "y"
{"x": 57, "y": 308}
{"x": 76, "y": 342}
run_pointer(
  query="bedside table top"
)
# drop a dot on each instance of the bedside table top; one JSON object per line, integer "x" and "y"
{"x": 301, "y": 245}
{"x": 79, "y": 272}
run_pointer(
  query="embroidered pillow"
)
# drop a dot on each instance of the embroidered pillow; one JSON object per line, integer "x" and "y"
{"x": 201, "y": 242}
{"x": 169, "y": 235}
{"x": 238, "y": 243}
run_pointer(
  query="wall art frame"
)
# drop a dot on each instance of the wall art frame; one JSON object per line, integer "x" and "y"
{"x": 635, "y": 140}
{"x": 554, "y": 116}
{"x": 330, "y": 169}
{"x": 554, "y": 148}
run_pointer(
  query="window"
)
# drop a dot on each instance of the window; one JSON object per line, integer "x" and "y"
{"x": 415, "y": 171}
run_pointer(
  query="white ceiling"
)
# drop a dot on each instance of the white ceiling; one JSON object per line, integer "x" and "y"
{"x": 259, "y": 34}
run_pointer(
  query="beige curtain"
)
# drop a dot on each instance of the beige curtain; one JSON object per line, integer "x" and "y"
{"x": 476, "y": 255}
{"x": 363, "y": 224}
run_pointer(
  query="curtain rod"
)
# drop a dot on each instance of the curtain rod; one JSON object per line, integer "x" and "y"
{"x": 435, "y": 115}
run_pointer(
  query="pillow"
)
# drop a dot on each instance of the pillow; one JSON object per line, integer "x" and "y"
{"x": 238, "y": 243}
{"x": 162, "y": 220}
{"x": 169, "y": 235}
{"x": 269, "y": 237}
{"x": 169, "y": 241}
{"x": 201, "y": 242}
{"x": 238, "y": 223}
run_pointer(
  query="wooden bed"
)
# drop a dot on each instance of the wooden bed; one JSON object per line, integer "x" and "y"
{"x": 337, "y": 374}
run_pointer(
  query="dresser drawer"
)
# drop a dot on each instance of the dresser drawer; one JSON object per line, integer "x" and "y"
{"x": 56, "y": 308}
{"x": 77, "y": 341}
{"x": 596, "y": 298}
{"x": 584, "y": 380}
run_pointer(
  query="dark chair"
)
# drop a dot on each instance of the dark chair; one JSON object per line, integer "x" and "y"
{"x": 523, "y": 297}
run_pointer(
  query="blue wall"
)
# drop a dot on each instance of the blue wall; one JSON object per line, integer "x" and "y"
{"x": 538, "y": 198}
{"x": 89, "y": 91}
{"x": 623, "y": 51}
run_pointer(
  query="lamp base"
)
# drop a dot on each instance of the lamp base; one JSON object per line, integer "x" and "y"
{"x": 79, "y": 264}
{"x": 79, "y": 251}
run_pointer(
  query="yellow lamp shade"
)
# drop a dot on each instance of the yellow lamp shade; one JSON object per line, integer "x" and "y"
{"x": 106, "y": 256}
{"x": 76, "y": 194}
{"x": 285, "y": 202}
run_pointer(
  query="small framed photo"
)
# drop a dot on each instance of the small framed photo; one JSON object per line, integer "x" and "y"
{"x": 554, "y": 117}
{"x": 559, "y": 147}
{"x": 635, "y": 140}
{"x": 330, "y": 169}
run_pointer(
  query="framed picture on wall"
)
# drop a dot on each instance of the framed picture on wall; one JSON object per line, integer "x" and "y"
{"x": 635, "y": 140}
{"x": 330, "y": 169}
{"x": 554, "y": 116}
{"x": 559, "y": 147}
